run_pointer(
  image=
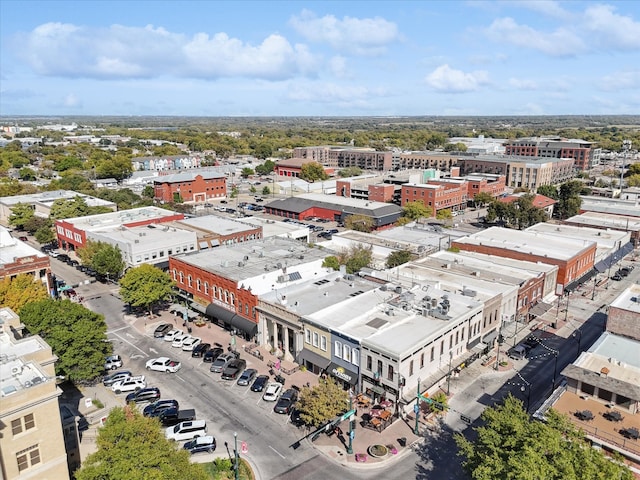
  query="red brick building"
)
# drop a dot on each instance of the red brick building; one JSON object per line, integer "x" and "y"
{"x": 378, "y": 192}
{"x": 20, "y": 258}
{"x": 437, "y": 195}
{"x": 494, "y": 185}
{"x": 583, "y": 153}
{"x": 292, "y": 167}
{"x": 190, "y": 187}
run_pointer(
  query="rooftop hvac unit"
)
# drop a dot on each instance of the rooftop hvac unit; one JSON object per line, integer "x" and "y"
{"x": 398, "y": 289}
{"x": 16, "y": 370}
{"x": 434, "y": 302}
{"x": 241, "y": 264}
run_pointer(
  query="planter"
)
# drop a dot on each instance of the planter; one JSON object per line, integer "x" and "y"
{"x": 392, "y": 449}
{"x": 378, "y": 451}
{"x": 361, "y": 457}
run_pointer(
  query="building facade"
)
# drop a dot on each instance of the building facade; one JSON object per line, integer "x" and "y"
{"x": 583, "y": 153}
{"x": 190, "y": 187}
{"x": 437, "y": 195}
{"x": 343, "y": 157}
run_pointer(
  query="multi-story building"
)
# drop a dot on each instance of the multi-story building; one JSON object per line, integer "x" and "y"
{"x": 32, "y": 445}
{"x": 343, "y": 157}
{"x": 424, "y": 160}
{"x": 436, "y": 195}
{"x": 584, "y": 154}
{"x": 167, "y": 162}
{"x": 292, "y": 167}
{"x": 17, "y": 257}
{"x": 606, "y": 221}
{"x": 623, "y": 317}
{"x": 494, "y": 185}
{"x": 190, "y": 187}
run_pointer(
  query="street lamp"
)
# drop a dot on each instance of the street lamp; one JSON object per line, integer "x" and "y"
{"x": 579, "y": 332}
{"x": 555, "y": 367}
{"x": 235, "y": 454}
{"x": 416, "y": 410}
{"x": 449, "y": 374}
{"x": 566, "y": 312}
{"x": 351, "y": 432}
{"x": 595, "y": 281}
{"x": 528, "y": 395}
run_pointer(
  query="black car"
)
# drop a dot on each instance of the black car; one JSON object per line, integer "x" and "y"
{"x": 286, "y": 401}
{"x": 260, "y": 383}
{"x": 156, "y": 408}
{"x": 622, "y": 272}
{"x": 531, "y": 342}
{"x": 296, "y": 419}
{"x": 149, "y": 394}
{"x": 234, "y": 369}
{"x": 212, "y": 354}
{"x": 162, "y": 329}
{"x": 200, "y": 350}
{"x": 626, "y": 270}
{"x": 617, "y": 277}
{"x": 201, "y": 444}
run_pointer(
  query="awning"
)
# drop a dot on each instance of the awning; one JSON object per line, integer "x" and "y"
{"x": 376, "y": 389}
{"x": 314, "y": 358}
{"x": 608, "y": 262}
{"x": 540, "y": 309}
{"x": 196, "y": 306}
{"x": 490, "y": 337}
{"x": 342, "y": 373}
{"x": 231, "y": 318}
{"x": 584, "y": 278}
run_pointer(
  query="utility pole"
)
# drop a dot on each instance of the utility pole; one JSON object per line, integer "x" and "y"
{"x": 351, "y": 432}
{"x": 416, "y": 410}
{"x": 449, "y": 375}
{"x": 235, "y": 454}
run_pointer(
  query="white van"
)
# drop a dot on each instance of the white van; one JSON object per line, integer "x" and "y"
{"x": 187, "y": 430}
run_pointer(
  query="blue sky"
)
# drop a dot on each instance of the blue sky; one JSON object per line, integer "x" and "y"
{"x": 216, "y": 58}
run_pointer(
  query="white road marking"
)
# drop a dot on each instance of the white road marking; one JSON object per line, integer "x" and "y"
{"x": 277, "y": 452}
{"x": 133, "y": 357}
{"x": 117, "y": 330}
{"x": 129, "y": 335}
{"x": 153, "y": 350}
{"x": 127, "y": 341}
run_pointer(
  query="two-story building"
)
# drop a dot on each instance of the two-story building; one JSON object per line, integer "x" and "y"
{"x": 190, "y": 187}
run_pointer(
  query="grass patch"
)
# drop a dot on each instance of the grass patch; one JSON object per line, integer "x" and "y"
{"x": 222, "y": 469}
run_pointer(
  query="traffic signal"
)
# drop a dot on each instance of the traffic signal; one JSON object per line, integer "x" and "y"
{"x": 353, "y": 425}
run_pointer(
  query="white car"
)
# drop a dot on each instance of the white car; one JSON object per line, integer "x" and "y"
{"x": 169, "y": 336}
{"x": 178, "y": 340}
{"x": 272, "y": 393}
{"x": 130, "y": 384}
{"x": 186, "y": 430}
{"x": 112, "y": 362}
{"x": 163, "y": 364}
{"x": 190, "y": 343}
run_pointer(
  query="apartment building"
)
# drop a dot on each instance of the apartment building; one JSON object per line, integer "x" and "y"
{"x": 424, "y": 160}
{"x": 584, "y": 154}
{"x": 343, "y": 157}
{"x": 190, "y": 187}
{"x": 32, "y": 445}
{"x": 437, "y": 195}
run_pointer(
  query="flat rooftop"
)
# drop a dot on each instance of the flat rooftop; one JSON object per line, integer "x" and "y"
{"x": 610, "y": 205}
{"x": 109, "y": 220}
{"x": 531, "y": 243}
{"x": 533, "y": 267}
{"x": 150, "y": 236}
{"x": 428, "y": 235}
{"x": 607, "y": 220}
{"x": 629, "y": 300}
{"x": 217, "y": 224}
{"x": 11, "y": 248}
{"x": 618, "y": 354}
{"x": 52, "y": 196}
{"x": 606, "y": 239}
{"x": 343, "y": 201}
{"x": 274, "y": 228}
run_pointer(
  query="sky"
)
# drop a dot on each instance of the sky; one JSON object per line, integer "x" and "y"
{"x": 330, "y": 58}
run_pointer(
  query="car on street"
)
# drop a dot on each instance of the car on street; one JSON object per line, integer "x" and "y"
{"x": 149, "y": 394}
{"x": 162, "y": 329}
{"x": 206, "y": 444}
{"x": 622, "y": 272}
{"x": 531, "y": 342}
{"x": 286, "y": 401}
{"x": 211, "y": 355}
{"x": 247, "y": 377}
{"x": 272, "y": 392}
{"x": 169, "y": 336}
{"x": 163, "y": 364}
{"x": 112, "y": 362}
{"x": 115, "y": 377}
{"x": 190, "y": 343}
{"x": 221, "y": 362}
{"x": 200, "y": 350}
{"x": 628, "y": 269}
{"x": 156, "y": 408}
{"x": 517, "y": 353}
{"x": 234, "y": 369}
{"x": 187, "y": 430}
{"x": 129, "y": 384}
{"x": 259, "y": 383}
{"x": 617, "y": 277}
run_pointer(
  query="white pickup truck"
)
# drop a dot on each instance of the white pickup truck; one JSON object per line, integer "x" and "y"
{"x": 130, "y": 384}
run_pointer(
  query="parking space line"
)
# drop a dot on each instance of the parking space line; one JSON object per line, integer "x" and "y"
{"x": 127, "y": 341}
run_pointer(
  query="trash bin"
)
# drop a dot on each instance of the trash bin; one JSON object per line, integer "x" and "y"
{"x": 402, "y": 441}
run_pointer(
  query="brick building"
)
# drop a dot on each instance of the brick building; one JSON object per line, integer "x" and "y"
{"x": 583, "y": 153}
{"x": 575, "y": 258}
{"x": 292, "y": 167}
{"x": 437, "y": 195}
{"x": 16, "y": 258}
{"x": 494, "y": 185}
{"x": 343, "y": 157}
{"x": 367, "y": 189}
{"x": 190, "y": 187}
{"x": 624, "y": 314}
{"x": 424, "y": 161}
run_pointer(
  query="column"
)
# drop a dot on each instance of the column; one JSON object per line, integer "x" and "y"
{"x": 285, "y": 345}
{"x": 275, "y": 336}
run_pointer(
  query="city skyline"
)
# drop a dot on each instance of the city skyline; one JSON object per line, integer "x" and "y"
{"x": 319, "y": 58}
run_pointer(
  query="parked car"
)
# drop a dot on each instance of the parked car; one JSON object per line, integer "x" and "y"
{"x": 112, "y": 362}
{"x": 115, "y": 377}
{"x": 222, "y": 361}
{"x": 162, "y": 329}
{"x": 163, "y": 364}
{"x": 129, "y": 384}
{"x": 201, "y": 444}
{"x": 190, "y": 343}
{"x": 173, "y": 416}
{"x": 259, "y": 383}
{"x": 517, "y": 353}
{"x": 286, "y": 401}
{"x": 247, "y": 377}
{"x": 211, "y": 355}
{"x": 234, "y": 369}
{"x": 156, "y": 408}
{"x": 200, "y": 350}
{"x": 617, "y": 277}
{"x": 531, "y": 342}
{"x": 332, "y": 231}
{"x": 149, "y": 394}
{"x": 296, "y": 419}
{"x": 187, "y": 430}
{"x": 626, "y": 270}
{"x": 622, "y": 272}
{"x": 272, "y": 392}
{"x": 179, "y": 340}
{"x": 168, "y": 337}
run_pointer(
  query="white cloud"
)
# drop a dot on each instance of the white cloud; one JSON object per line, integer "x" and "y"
{"x": 446, "y": 79}
{"x": 620, "y": 81}
{"x": 67, "y": 50}
{"x": 338, "y": 66}
{"x": 611, "y": 29}
{"x": 523, "y": 84}
{"x": 546, "y": 7}
{"x": 362, "y": 36}
{"x": 559, "y": 43}
{"x": 333, "y": 93}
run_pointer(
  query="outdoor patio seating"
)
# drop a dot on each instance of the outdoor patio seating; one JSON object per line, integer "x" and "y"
{"x": 585, "y": 415}
{"x": 613, "y": 416}
{"x": 630, "y": 433}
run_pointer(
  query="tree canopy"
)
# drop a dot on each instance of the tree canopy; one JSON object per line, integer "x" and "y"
{"x": 144, "y": 286}
{"x": 104, "y": 258}
{"x": 569, "y": 200}
{"x": 134, "y": 447}
{"x": 76, "y": 335}
{"x": 16, "y": 292}
{"x": 359, "y": 223}
{"x": 415, "y": 210}
{"x": 350, "y": 172}
{"x": 21, "y": 214}
{"x": 322, "y": 402}
{"x": 313, "y": 171}
{"x": 356, "y": 257}
{"x": 398, "y": 258}
{"x": 511, "y": 445}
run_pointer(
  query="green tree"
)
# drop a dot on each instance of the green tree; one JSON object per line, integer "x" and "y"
{"x": 246, "y": 172}
{"x": 313, "y": 171}
{"x": 569, "y": 199}
{"x": 148, "y": 191}
{"x": 634, "y": 169}
{"x": 482, "y": 199}
{"x": 440, "y": 398}
{"x": 356, "y": 257}
{"x": 415, "y": 210}
{"x": 444, "y": 214}
{"x": 16, "y": 292}
{"x": 350, "y": 172}
{"x": 35, "y": 223}
{"x": 234, "y": 192}
{"x": 132, "y": 446}
{"x": 398, "y": 257}
{"x": 45, "y": 235}
{"x": 266, "y": 190}
{"x": 107, "y": 260}
{"x": 77, "y": 336}
{"x": 87, "y": 252}
{"x": 548, "y": 191}
{"x": 252, "y": 189}
{"x": 144, "y": 286}
{"x": 27, "y": 174}
{"x": 63, "y": 208}
{"x": 359, "y": 223}
{"x": 455, "y": 147}
{"x": 511, "y": 445}
{"x": 21, "y": 214}
{"x": 322, "y": 402}
{"x": 331, "y": 262}
{"x": 263, "y": 150}
{"x": 634, "y": 180}
{"x": 266, "y": 168}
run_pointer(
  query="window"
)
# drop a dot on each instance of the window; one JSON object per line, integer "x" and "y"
{"x": 390, "y": 372}
{"x": 432, "y": 353}
{"x": 337, "y": 350}
{"x": 411, "y": 368}
{"x": 369, "y": 362}
{"x": 175, "y": 274}
{"x": 181, "y": 277}
{"x": 379, "y": 371}
{"x": 28, "y": 457}
{"x": 323, "y": 343}
{"x": 29, "y": 421}
{"x": 422, "y": 360}
{"x": 16, "y": 426}
{"x": 355, "y": 356}
{"x": 307, "y": 335}
{"x": 346, "y": 352}
{"x": 189, "y": 281}
{"x": 206, "y": 288}
{"x": 198, "y": 284}
{"x": 315, "y": 339}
